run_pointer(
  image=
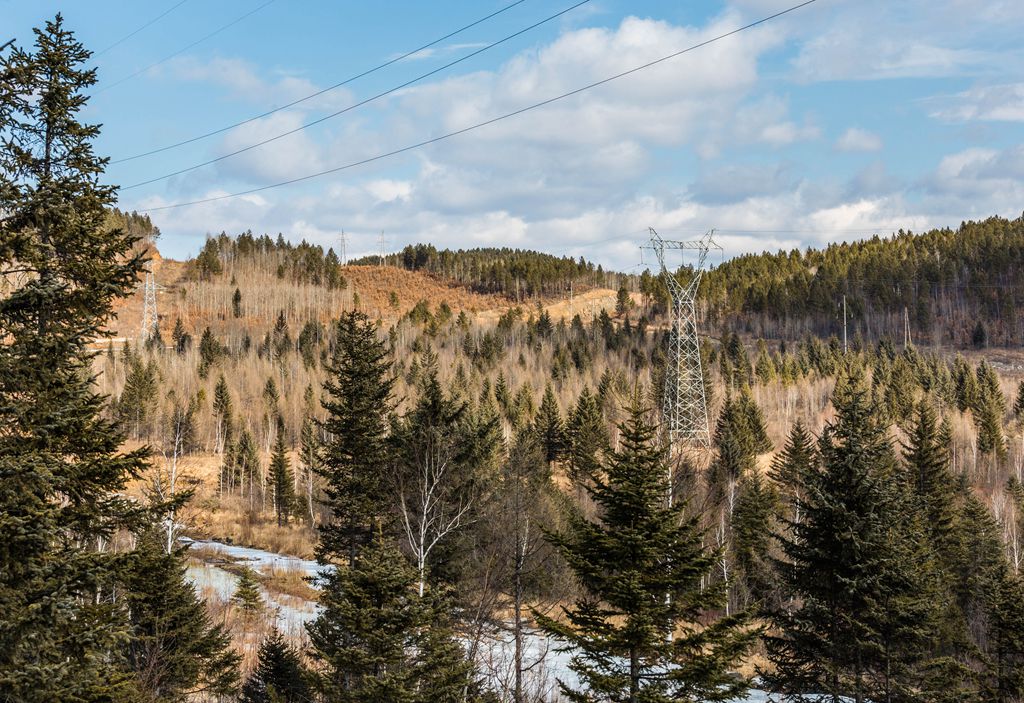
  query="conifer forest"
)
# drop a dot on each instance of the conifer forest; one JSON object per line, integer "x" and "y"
{"x": 443, "y": 475}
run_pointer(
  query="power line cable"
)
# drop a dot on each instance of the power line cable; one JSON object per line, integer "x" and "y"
{"x": 321, "y": 92}
{"x": 389, "y": 91}
{"x": 167, "y": 58}
{"x": 485, "y": 123}
{"x": 153, "y": 21}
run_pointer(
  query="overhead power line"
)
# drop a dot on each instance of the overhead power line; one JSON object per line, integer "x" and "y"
{"x": 318, "y": 93}
{"x": 153, "y": 21}
{"x": 485, "y": 123}
{"x": 167, "y": 58}
{"x": 389, "y": 91}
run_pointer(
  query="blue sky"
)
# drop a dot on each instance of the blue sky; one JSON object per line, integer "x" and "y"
{"x": 831, "y": 122}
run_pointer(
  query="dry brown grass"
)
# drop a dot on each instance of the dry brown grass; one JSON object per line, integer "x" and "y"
{"x": 289, "y": 582}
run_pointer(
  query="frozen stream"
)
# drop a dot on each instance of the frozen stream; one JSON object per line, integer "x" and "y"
{"x": 495, "y": 657}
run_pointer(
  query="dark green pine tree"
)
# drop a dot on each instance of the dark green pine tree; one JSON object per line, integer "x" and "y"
{"x": 173, "y": 649}
{"x": 281, "y": 475}
{"x": 246, "y": 465}
{"x": 752, "y": 528}
{"x": 137, "y": 404}
{"x": 502, "y": 395}
{"x": 926, "y": 457}
{"x": 753, "y": 419}
{"x": 354, "y": 458}
{"x": 643, "y": 569}
{"x": 181, "y": 339}
{"x": 791, "y": 470}
{"x": 979, "y": 570}
{"x": 236, "y": 303}
{"x": 858, "y": 568}
{"x": 377, "y": 640}
{"x": 549, "y": 426}
{"x": 988, "y": 410}
{"x": 1018, "y": 404}
{"x": 735, "y": 452}
{"x": 247, "y": 596}
{"x": 1005, "y": 682}
{"x": 222, "y": 412}
{"x": 279, "y": 676}
{"x": 62, "y": 474}
{"x": 210, "y": 352}
{"x": 586, "y": 437}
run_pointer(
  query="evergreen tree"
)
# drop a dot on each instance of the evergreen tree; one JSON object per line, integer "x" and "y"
{"x": 440, "y": 461}
{"x": 137, "y": 405}
{"x": 1018, "y": 404}
{"x": 623, "y": 303}
{"x": 210, "y": 352}
{"x": 246, "y": 464}
{"x": 181, "y": 339}
{"x": 791, "y": 471}
{"x": 281, "y": 475}
{"x": 586, "y": 437}
{"x": 63, "y": 476}
{"x": 549, "y": 426}
{"x": 502, "y": 394}
{"x": 1006, "y": 647}
{"x": 926, "y": 456}
{"x": 855, "y": 563}
{"x": 522, "y": 410}
{"x": 309, "y": 457}
{"x": 754, "y": 425}
{"x": 173, "y": 649}
{"x": 247, "y": 597}
{"x": 378, "y": 640}
{"x": 988, "y": 410}
{"x": 236, "y": 303}
{"x": 752, "y": 527}
{"x": 642, "y": 566}
{"x": 354, "y": 458}
{"x": 222, "y": 411}
{"x": 279, "y": 676}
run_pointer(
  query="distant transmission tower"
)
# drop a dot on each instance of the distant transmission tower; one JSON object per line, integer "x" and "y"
{"x": 149, "y": 317}
{"x": 684, "y": 406}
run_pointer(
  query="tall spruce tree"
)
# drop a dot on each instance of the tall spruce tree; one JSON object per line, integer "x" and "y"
{"x": 856, "y": 566}
{"x": 378, "y": 640}
{"x": 586, "y": 437}
{"x": 62, "y": 475}
{"x": 926, "y": 457}
{"x": 752, "y": 527}
{"x": 791, "y": 469}
{"x": 643, "y": 568}
{"x": 174, "y": 649}
{"x": 354, "y": 457}
{"x": 549, "y": 426}
{"x": 282, "y": 477}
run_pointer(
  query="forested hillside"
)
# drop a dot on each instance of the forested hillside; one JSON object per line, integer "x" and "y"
{"x": 950, "y": 287}
{"x": 516, "y": 273}
{"x": 957, "y": 287}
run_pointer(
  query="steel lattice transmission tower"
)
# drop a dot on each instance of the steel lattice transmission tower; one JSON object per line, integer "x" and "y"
{"x": 149, "y": 317}
{"x": 684, "y": 405}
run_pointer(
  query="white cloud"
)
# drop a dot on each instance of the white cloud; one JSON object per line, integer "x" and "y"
{"x": 908, "y": 39}
{"x": 997, "y": 103}
{"x": 856, "y": 139}
{"x": 387, "y": 190}
{"x": 243, "y": 81}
